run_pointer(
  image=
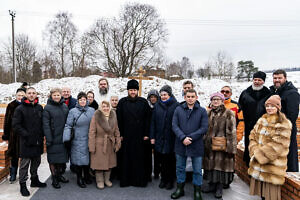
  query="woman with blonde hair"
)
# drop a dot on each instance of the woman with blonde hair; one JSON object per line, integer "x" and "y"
{"x": 268, "y": 150}
{"x": 104, "y": 142}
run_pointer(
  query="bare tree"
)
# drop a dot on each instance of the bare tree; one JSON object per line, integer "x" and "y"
{"x": 222, "y": 65}
{"x": 174, "y": 68}
{"x": 61, "y": 34}
{"x": 132, "y": 39}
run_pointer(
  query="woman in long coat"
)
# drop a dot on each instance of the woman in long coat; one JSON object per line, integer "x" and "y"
{"x": 104, "y": 142}
{"x": 10, "y": 136}
{"x": 79, "y": 119}
{"x": 219, "y": 165}
{"x": 54, "y": 119}
{"x": 268, "y": 149}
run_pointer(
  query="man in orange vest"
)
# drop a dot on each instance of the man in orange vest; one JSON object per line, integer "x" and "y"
{"x": 233, "y": 105}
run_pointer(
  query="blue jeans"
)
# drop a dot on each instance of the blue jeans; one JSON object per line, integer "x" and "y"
{"x": 197, "y": 169}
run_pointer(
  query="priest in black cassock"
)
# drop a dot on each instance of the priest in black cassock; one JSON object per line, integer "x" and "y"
{"x": 133, "y": 114}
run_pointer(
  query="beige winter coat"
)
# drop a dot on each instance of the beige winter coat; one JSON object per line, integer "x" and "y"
{"x": 268, "y": 149}
{"x": 104, "y": 140}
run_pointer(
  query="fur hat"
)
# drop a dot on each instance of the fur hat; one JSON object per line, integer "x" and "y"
{"x": 153, "y": 92}
{"x": 167, "y": 89}
{"x": 260, "y": 74}
{"x": 132, "y": 84}
{"x": 274, "y": 100}
{"x": 217, "y": 94}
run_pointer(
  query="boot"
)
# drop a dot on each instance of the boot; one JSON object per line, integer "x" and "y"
{"x": 55, "y": 182}
{"x": 13, "y": 174}
{"x": 179, "y": 192}
{"x": 208, "y": 187}
{"x": 62, "y": 179}
{"x": 87, "y": 177}
{"x": 197, "y": 192}
{"x": 23, "y": 189}
{"x": 219, "y": 190}
{"x": 35, "y": 182}
{"x": 80, "y": 181}
{"x": 169, "y": 185}
{"x": 99, "y": 179}
{"x": 107, "y": 182}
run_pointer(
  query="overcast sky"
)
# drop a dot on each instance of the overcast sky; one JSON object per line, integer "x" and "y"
{"x": 264, "y": 31}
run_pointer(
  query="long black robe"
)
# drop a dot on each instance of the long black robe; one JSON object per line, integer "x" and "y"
{"x": 134, "y": 119}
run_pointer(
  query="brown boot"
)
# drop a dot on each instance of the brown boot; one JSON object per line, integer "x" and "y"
{"x": 99, "y": 179}
{"x": 106, "y": 178}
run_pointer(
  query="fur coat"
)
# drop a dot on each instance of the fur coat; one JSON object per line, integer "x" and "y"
{"x": 221, "y": 123}
{"x": 104, "y": 140}
{"x": 269, "y": 147}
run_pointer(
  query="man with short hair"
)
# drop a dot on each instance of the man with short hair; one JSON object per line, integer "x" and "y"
{"x": 190, "y": 123}
{"x": 187, "y": 85}
{"x": 114, "y": 100}
{"x": 133, "y": 114}
{"x": 27, "y": 123}
{"x": 91, "y": 98}
{"x": 290, "y": 107}
{"x": 69, "y": 100}
{"x": 252, "y": 102}
{"x": 103, "y": 92}
{"x": 233, "y": 105}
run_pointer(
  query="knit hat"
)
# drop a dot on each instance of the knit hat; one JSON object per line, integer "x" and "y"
{"x": 167, "y": 89}
{"x": 217, "y": 94}
{"x": 132, "y": 84}
{"x": 260, "y": 74}
{"x": 274, "y": 100}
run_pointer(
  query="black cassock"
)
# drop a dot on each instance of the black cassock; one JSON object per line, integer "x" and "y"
{"x": 135, "y": 153}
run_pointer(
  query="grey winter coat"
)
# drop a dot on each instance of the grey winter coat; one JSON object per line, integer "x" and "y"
{"x": 54, "y": 119}
{"x": 79, "y": 144}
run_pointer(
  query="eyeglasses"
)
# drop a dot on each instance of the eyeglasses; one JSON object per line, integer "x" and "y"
{"x": 225, "y": 91}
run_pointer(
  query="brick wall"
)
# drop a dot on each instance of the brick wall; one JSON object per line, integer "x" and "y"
{"x": 289, "y": 191}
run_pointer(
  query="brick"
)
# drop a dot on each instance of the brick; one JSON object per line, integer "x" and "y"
{"x": 285, "y": 196}
{"x": 289, "y": 188}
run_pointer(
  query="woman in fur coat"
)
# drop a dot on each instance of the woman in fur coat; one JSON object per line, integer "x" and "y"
{"x": 218, "y": 165}
{"x": 268, "y": 149}
{"x": 104, "y": 142}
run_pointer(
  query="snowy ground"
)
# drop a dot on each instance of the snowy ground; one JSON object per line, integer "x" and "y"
{"x": 118, "y": 86}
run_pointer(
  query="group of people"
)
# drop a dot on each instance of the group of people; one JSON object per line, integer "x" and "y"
{"x": 101, "y": 135}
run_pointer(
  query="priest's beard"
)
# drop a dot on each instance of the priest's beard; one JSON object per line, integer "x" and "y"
{"x": 103, "y": 91}
{"x": 256, "y": 88}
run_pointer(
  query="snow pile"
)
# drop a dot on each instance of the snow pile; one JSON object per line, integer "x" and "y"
{"x": 118, "y": 86}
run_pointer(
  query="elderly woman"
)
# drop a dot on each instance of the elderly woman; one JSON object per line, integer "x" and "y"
{"x": 77, "y": 131}
{"x": 219, "y": 146}
{"x": 268, "y": 150}
{"x": 10, "y": 136}
{"x": 104, "y": 142}
{"x": 54, "y": 119}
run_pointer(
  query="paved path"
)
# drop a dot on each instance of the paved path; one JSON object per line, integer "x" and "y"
{"x": 70, "y": 191}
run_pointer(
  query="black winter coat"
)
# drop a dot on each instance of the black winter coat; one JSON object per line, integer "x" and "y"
{"x": 290, "y": 107}
{"x": 133, "y": 120}
{"x": 94, "y": 105}
{"x": 8, "y": 133}
{"x": 54, "y": 119}
{"x": 161, "y": 126}
{"x": 252, "y": 103}
{"x": 27, "y": 123}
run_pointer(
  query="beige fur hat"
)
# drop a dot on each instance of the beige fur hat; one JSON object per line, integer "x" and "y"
{"x": 274, "y": 100}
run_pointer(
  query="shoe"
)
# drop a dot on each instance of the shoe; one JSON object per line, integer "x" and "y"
{"x": 23, "y": 189}
{"x": 35, "y": 182}
{"x": 62, "y": 179}
{"x": 169, "y": 185}
{"x": 80, "y": 181}
{"x": 208, "y": 187}
{"x": 55, "y": 182}
{"x": 107, "y": 182}
{"x": 197, "y": 192}
{"x": 179, "y": 192}
{"x": 219, "y": 190}
{"x": 162, "y": 184}
{"x": 100, "y": 179}
{"x": 13, "y": 174}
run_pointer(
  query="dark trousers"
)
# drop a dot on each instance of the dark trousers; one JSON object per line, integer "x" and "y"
{"x": 168, "y": 167}
{"x": 157, "y": 163}
{"x": 14, "y": 162}
{"x": 24, "y": 165}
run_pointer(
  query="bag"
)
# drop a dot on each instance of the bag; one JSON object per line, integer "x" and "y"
{"x": 73, "y": 127}
{"x": 219, "y": 143}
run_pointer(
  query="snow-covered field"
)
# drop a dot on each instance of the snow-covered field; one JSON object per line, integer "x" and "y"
{"x": 118, "y": 86}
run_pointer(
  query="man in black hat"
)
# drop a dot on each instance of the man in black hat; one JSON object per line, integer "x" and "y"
{"x": 252, "y": 101}
{"x": 133, "y": 114}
